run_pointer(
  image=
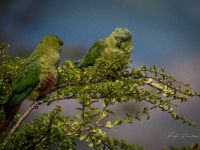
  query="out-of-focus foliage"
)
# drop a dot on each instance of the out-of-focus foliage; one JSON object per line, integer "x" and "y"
{"x": 193, "y": 147}
{"x": 8, "y": 69}
{"x": 108, "y": 82}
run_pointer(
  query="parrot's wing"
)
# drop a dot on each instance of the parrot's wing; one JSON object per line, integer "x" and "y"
{"x": 24, "y": 83}
{"x": 93, "y": 53}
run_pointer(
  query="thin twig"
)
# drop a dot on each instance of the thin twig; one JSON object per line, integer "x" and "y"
{"x": 27, "y": 112}
{"x": 44, "y": 135}
{"x": 76, "y": 62}
{"x": 34, "y": 105}
{"x": 93, "y": 142}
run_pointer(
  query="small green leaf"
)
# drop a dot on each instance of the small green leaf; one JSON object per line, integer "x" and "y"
{"x": 109, "y": 124}
{"x": 118, "y": 122}
{"x": 106, "y": 102}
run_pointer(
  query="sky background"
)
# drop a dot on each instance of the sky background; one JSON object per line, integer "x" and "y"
{"x": 166, "y": 33}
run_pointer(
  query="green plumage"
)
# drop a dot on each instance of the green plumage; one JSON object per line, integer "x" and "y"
{"x": 119, "y": 41}
{"x": 36, "y": 76}
{"x": 24, "y": 83}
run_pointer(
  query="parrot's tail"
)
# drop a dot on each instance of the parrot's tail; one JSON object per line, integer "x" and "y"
{"x": 6, "y": 123}
{"x": 9, "y": 118}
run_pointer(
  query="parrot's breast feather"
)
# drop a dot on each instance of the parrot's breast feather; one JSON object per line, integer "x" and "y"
{"x": 48, "y": 79}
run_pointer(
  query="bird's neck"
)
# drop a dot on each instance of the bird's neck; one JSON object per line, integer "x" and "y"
{"x": 46, "y": 54}
{"x": 111, "y": 42}
{"x": 44, "y": 50}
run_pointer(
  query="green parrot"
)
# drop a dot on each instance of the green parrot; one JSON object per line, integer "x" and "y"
{"x": 119, "y": 41}
{"x": 38, "y": 74}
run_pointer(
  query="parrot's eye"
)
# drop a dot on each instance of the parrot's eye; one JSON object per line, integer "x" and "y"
{"x": 61, "y": 42}
{"x": 120, "y": 40}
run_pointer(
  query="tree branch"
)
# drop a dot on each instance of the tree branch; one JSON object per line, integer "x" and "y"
{"x": 44, "y": 135}
{"x": 27, "y": 112}
{"x": 37, "y": 103}
{"x": 34, "y": 105}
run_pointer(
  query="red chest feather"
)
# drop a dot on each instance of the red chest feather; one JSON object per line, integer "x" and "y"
{"x": 47, "y": 83}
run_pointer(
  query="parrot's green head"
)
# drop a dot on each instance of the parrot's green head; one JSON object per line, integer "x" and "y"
{"x": 52, "y": 43}
{"x": 121, "y": 38}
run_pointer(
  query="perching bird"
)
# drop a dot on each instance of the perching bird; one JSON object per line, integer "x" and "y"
{"x": 35, "y": 77}
{"x": 120, "y": 40}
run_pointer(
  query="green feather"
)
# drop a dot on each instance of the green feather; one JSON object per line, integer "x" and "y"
{"x": 119, "y": 41}
{"x": 93, "y": 53}
{"x": 32, "y": 73}
{"x": 16, "y": 99}
{"x": 25, "y": 82}
{"x": 28, "y": 75}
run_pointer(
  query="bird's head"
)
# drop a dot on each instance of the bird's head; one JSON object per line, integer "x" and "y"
{"x": 52, "y": 42}
{"x": 121, "y": 38}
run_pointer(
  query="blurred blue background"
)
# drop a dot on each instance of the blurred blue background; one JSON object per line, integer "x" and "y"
{"x": 166, "y": 33}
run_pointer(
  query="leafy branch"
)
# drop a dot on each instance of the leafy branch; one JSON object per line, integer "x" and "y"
{"x": 95, "y": 88}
